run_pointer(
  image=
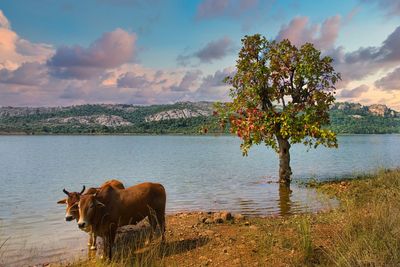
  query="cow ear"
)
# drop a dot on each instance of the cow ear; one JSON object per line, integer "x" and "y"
{"x": 98, "y": 203}
{"x": 62, "y": 201}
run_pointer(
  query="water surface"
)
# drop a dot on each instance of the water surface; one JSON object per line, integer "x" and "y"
{"x": 199, "y": 173}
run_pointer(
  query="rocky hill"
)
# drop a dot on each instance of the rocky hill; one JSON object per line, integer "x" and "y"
{"x": 178, "y": 118}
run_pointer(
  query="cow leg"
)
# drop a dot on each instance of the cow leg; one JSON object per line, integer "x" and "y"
{"x": 161, "y": 222}
{"x": 105, "y": 246}
{"x": 111, "y": 239}
{"x": 90, "y": 241}
{"x": 93, "y": 238}
{"x": 157, "y": 222}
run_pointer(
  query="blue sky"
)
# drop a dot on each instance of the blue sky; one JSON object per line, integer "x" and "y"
{"x": 154, "y": 51}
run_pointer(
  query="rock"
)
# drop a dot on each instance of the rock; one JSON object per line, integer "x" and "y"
{"x": 218, "y": 220}
{"x": 177, "y": 114}
{"x": 247, "y": 223}
{"x": 209, "y": 232}
{"x": 205, "y": 261}
{"x": 203, "y": 219}
{"x": 238, "y": 217}
{"x": 225, "y": 250}
{"x": 208, "y": 221}
{"x": 226, "y": 216}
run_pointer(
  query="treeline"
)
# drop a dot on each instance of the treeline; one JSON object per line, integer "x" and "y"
{"x": 351, "y": 120}
{"x": 344, "y": 123}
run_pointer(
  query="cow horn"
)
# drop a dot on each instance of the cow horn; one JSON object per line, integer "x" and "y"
{"x": 83, "y": 189}
{"x": 66, "y": 192}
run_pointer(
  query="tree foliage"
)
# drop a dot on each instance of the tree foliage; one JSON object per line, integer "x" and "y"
{"x": 280, "y": 92}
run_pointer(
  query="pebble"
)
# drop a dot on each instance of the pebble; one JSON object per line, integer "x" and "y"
{"x": 226, "y": 216}
{"x": 209, "y": 232}
{"x": 253, "y": 227}
{"x": 208, "y": 221}
{"x": 218, "y": 220}
{"x": 238, "y": 217}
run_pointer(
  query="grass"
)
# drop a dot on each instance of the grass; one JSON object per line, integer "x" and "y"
{"x": 136, "y": 249}
{"x": 363, "y": 231}
{"x": 370, "y": 219}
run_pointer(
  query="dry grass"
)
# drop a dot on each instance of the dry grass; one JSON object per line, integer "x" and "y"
{"x": 370, "y": 220}
{"x": 363, "y": 231}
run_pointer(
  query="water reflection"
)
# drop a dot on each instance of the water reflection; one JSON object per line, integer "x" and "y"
{"x": 285, "y": 202}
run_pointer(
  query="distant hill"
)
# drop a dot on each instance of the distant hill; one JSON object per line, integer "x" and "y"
{"x": 178, "y": 118}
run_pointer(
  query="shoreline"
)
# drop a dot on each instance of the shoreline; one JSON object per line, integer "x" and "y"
{"x": 355, "y": 233}
{"x": 157, "y": 134}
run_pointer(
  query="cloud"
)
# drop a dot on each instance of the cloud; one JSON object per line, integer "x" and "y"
{"x": 111, "y": 50}
{"x": 4, "y": 23}
{"x": 211, "y": 8}
{"x": 213, "y": 87}
{"x": 354, "y": 93}
{"x": 28, "y": 74}
{"x": 299, "y": 31}
{"x": 15, "y": 51}
{"x": 215, "y": 8}
{"x": 214, "y": 50}
{"x": 187, "y": 82}
{"x": 392, "y": 7}
{"x": 131, "y": 80}
{"x": 366, "y": 61}
{"x": 390, "y": 82}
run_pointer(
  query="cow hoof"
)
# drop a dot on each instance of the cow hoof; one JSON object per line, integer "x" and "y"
{"x": 93, "y": 248}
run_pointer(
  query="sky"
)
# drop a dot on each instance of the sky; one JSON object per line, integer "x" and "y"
{"x": 142, "y": 52}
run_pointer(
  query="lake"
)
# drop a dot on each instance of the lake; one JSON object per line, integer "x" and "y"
{"x": 198, "y": 172}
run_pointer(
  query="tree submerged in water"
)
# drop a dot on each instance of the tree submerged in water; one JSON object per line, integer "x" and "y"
{"x": 281, "y": 96}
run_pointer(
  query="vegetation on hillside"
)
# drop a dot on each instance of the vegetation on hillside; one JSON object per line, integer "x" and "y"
{"x": 351, "y": 118}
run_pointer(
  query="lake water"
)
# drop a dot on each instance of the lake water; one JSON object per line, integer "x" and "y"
{"x": 198, "y": 172}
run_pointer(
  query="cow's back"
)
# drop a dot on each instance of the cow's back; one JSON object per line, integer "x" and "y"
{"x": 133, "y": 204}
{"x": 114, "y": 183}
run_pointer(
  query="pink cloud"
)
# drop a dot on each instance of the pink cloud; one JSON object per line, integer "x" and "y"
{"x": 299, "y": 31}
{"x": 111, "y": 50}
{"x": 14, "y": 50}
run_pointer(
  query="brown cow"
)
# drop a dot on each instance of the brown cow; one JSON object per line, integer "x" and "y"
{"x": 72, "y": 211}
{"x": 109, "y": 209}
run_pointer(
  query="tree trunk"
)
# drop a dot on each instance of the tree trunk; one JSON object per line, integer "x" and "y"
{"x": 284, "y": 161}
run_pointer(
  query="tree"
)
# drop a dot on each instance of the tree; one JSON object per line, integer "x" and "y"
{"x": 281, "y": 96}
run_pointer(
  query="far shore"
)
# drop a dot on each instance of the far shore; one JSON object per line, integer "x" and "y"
{"x": 153, "y": 134}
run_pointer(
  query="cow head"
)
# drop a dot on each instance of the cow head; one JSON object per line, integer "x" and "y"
{"x": 88, "y": 204}
{"x": 72, "y": 202}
